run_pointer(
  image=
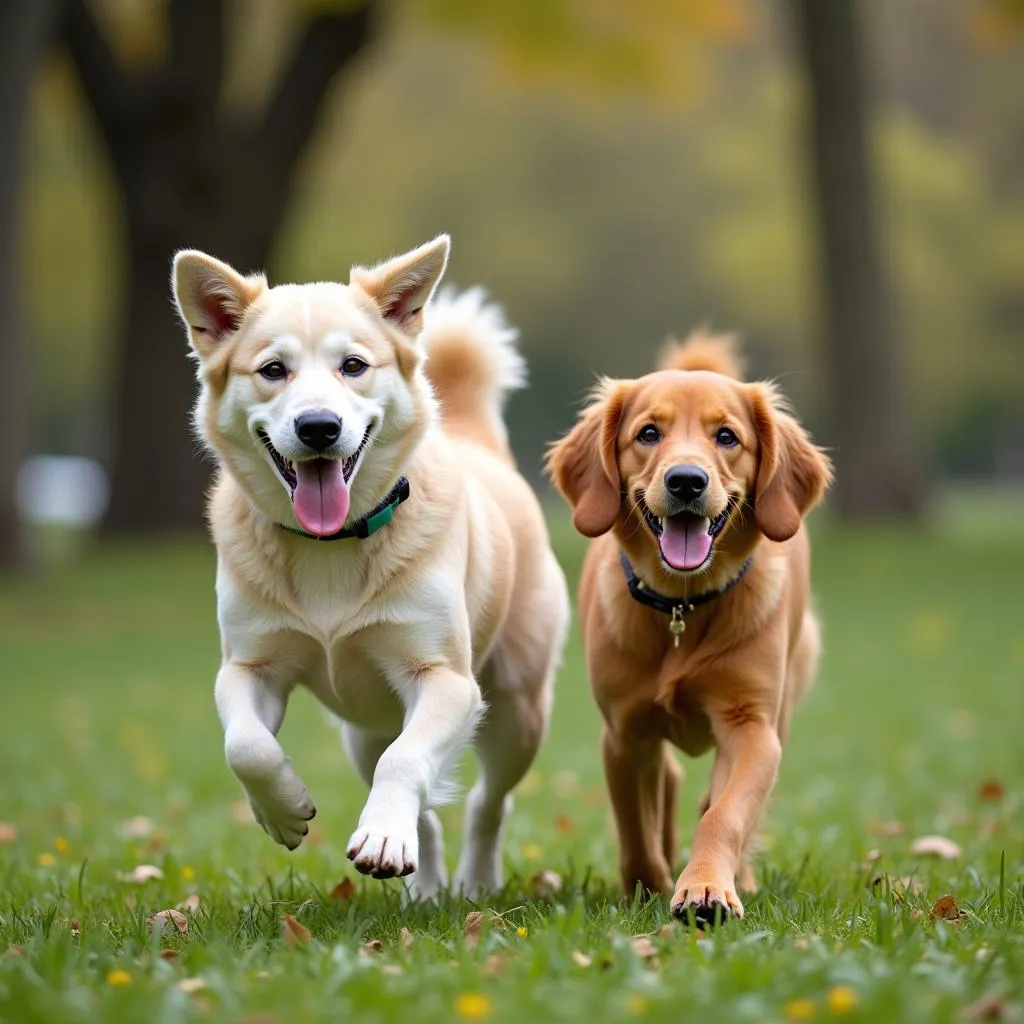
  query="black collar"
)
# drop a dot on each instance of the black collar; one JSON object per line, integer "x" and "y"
{"x": 674, "y": 606}
{"x": 371, "y": 522}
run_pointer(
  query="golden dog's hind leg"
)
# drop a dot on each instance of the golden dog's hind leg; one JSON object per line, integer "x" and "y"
{"x": 637, "y": 777}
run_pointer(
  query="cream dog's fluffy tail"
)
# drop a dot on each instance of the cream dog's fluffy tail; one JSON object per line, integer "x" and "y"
{"x": 704, "y": 350}
{"x": 473, "y": 363}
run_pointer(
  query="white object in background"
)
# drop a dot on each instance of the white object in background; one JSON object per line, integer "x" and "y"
{"x": 62, "y": 490}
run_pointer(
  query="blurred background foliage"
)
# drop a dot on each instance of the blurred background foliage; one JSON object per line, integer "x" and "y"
{"x": 612, "y": 172}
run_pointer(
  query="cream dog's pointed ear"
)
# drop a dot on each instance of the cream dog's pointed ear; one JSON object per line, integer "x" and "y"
{"x": 212, "y": 298}
{"x": 402, "y": 286}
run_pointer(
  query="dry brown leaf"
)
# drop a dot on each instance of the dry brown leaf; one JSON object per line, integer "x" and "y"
{"x": 190, "y": 903}
{"x": 373, "y": 946}
{"x": 8, "y": 833}
{"x": 945, "y": 909}
{"x": 136, "y": 828}
{"x": 295, "y": 933}
{"x": 168, "y": 954}
{"x": 643, "y": 947}
{"x": 344, "y": 890}
{"x": 164, "y": 920}
{"x": 887, "y": 828}
{"x": 935, "y": 846}
{"x": 991, "y": 791}
{"x": 407, "y": 938}
{"x": 547, "y": 881}
{"x": 142, "y": 874}
{"x": 563, "y": 823}
{"x": 990, "y": 1008}
{"x": 191, "y": 985}
{"x": 581, "y": 959}
{"x": 471, "y": 927}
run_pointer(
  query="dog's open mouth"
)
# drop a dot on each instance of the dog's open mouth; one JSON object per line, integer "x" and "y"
{"x": 686, "y": 539}
{"x": 319, "y": 487}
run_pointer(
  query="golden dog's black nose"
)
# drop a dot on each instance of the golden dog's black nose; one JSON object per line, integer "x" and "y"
{"x": 318, "y": 430}
{"x": 687, "y": 483}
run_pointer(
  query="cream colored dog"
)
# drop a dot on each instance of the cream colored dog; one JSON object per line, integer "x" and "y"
{"x": 442, "y": 619}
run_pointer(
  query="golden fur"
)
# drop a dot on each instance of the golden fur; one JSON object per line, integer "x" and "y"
{"x": 744, "y": 658}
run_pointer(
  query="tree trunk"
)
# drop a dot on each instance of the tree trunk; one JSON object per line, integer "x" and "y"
{"x": 878, "y": 462}
{"x": 23, "y": 28}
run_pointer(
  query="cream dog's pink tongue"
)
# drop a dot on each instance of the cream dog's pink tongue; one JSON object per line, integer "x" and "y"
{"x": 685, "y": 541}
{"x": 320, "y": 499}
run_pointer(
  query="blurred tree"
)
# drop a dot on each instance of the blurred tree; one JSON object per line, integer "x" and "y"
{"x": 878, "y": 465}
{"x": 23, "y": 29}
{"x": 191, "y": 173}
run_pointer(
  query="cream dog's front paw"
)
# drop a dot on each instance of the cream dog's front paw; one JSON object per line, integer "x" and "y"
{"x": 375, "y": 852}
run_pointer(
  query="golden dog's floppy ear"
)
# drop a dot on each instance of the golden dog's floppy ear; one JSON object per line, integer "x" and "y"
{"x": 584, "y": 465}
{"x": 212, "y": 298}
{"x": 402, "y": 286}
{"x": 792, "y": 474}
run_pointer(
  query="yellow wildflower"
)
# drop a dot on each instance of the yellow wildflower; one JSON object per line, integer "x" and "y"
{"x": 46, "y": 860}
{"x": 800, "y": 1009}
{"x": 61, "y": 845}
{"x": 119, "y": 978}
{"x": 522, "y": 931}
{"x": 473, "y": 1006}
{"x": 841, "y": 999}
{"x": 188, "y": 874}
{"x": 637, "y": 1005}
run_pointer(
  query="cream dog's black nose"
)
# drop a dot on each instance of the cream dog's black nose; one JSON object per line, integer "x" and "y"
{"x": 318, "y": 430}
{"x": 687, "y": 483}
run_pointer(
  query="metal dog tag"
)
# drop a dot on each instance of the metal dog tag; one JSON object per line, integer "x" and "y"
{"x": 676, "y": 625}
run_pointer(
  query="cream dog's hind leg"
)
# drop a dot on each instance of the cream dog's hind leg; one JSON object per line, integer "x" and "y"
{"x": 364, "y": 750}
{"x": 251, "y": 709}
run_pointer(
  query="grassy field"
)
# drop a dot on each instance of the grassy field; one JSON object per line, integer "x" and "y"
{"x": 914, "y": 728}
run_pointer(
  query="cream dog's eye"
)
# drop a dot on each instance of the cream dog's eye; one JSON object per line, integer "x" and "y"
{"x": 353, "y": 366}
{"x": 726, "y": 438}
{"x": 649, "y": 434}
{"x": 274, "y": 370}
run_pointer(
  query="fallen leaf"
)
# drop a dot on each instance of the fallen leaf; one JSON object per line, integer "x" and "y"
{"x": 546, "y": 881}
{"x": 136, "y": 828}
{"x": 407, "y": 938}
{"x": 344, "y": 890}
{"x": 990, "y": 1008}
{"x": 935, "y": 846}
{"x": 373, "y": 946}
{"x": 191, "y": 985}
{"x": 643, "y": 947}
{"x": 8, "y": 833}
{"x": 991, "y": 791}
{"x": 165, "y": 919}
{"x": 945, "y": 909}
{"x": 168, "y": 954}
{"x": 190, "y": 903}
{"x": 471, "y": 927}
{"x": 563, "y": 823}
{"x": 887, "y": 828}
{"x": 142, "y": 874}
{"x": 581, "y": 959}
{"x": 295, "y": 934}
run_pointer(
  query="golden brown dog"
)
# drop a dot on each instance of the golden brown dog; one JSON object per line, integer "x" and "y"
{"x": 694, "y": 603}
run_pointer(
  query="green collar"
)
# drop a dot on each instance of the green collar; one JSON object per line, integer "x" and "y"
{"x": 371, "y": 522}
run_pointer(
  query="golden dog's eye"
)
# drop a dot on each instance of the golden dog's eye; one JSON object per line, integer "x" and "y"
{"x": 274, "y": 370}
{"x": 353, "y": 366}
{"x": 649, "y": 434}
{"x": 726, "y": 438}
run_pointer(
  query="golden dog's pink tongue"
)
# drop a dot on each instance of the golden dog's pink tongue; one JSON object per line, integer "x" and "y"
{"x": 685, "y": 542}
{"x": 320, "y": 499}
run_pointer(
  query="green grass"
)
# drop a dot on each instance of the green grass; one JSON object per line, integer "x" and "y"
{"x": 107, "y": 713}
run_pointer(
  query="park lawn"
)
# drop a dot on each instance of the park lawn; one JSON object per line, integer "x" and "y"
{"x": 916, "y": 721}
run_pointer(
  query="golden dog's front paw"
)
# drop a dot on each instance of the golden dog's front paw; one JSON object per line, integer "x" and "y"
{"x": 709, "y": 902}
